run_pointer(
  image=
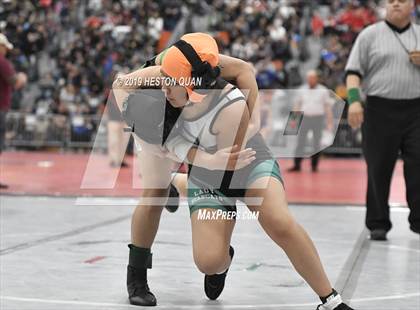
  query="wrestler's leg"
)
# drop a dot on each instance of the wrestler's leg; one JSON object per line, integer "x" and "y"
{"x": 279, "y": 224}
{"x": 156, "y": 176}
{"x": 212, "y": 223}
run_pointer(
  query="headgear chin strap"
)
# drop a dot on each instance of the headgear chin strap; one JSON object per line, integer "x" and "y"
{"x": 201, "y": 70}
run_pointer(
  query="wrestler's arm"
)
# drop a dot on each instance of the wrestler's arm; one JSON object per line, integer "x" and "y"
{"x": 126, "y": 83}
{"x": 230, "y": 129}
{"x": 230, "y": 157}
{"x": 122, "y": 86}
{"x": 243, "y": 74}
{"x": 231, "y": 126}
{"x": 179, "y": 148}
{"x": 227, "y": 158}
{"x": 135, "y": 79}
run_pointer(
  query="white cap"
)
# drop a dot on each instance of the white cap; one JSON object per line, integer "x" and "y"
{"x": 5, "y": 42}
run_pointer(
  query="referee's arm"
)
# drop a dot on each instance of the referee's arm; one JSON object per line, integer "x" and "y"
{"x": 355, "y": 114}
{"x": 356, "y": 68}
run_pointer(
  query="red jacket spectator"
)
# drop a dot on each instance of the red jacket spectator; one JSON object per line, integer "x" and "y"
{"x": 356, "y": 19}
{"x": 317, "y": 25}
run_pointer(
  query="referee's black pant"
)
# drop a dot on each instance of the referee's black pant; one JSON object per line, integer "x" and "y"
{"x": 391, "y": 127}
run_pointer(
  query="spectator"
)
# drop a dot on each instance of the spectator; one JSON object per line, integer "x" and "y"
{"x": 315, "y": 104}
{"x": 9, "y": 80}
{"x": 81, "y": 42}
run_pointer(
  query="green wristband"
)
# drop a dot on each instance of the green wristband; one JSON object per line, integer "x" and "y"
{"x": 353, "y": 95}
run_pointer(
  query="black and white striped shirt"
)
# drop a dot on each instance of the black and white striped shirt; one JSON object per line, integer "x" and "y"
{"x": 379, "y": 56}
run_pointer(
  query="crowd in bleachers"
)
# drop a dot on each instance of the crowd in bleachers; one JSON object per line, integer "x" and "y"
{"x": 71, "y": 49}
{"x": 274, "y": 35}
{"x": 84, "y": 41}
{"x": 338, "y": 26}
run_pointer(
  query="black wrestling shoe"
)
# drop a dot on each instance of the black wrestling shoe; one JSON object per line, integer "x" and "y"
{"x": 378, "y": 235}
{"x": 214, "y": 284}
{"x": 333, "y": 302}
{"x": 139, "y": 293}
{"x": 173, "y": 195}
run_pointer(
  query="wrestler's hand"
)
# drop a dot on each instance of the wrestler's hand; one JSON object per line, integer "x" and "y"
{"x": 231, "y": 158}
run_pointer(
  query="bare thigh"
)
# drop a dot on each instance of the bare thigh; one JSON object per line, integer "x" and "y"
{"x": 155, "y": 171}
{"x": 274, "y": 214}
{"x": 211, "y": 241}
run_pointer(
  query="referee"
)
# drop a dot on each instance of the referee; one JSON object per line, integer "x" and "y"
{"x": 385, "y": 57}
